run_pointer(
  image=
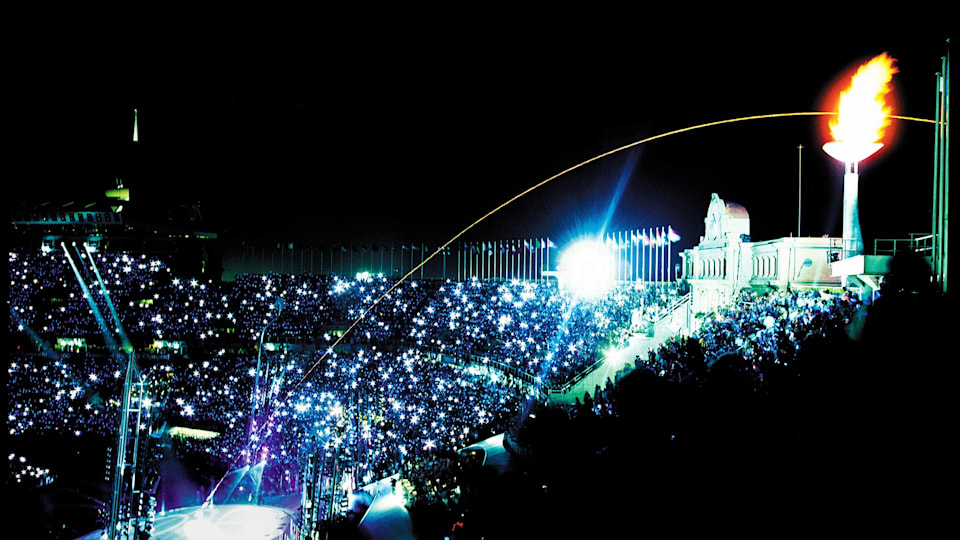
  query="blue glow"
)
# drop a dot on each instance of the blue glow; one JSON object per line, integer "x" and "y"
{"x": 618, "y": 192}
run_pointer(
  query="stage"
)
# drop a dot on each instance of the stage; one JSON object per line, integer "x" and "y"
{"x": 224, "y": 522}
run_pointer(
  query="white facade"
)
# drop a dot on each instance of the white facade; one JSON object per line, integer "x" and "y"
{"x": 726, "y": 260}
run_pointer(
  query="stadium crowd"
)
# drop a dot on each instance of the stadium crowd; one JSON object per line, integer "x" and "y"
{"x": 759, "y": 333}
{"x": 419, "y": 372}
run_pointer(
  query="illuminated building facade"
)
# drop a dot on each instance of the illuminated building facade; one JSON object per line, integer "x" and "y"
{"x": 726, "y": 260}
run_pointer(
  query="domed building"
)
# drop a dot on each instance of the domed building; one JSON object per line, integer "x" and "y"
{"x": 726, "y": 260}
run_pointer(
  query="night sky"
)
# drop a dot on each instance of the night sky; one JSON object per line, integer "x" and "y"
{"x": 411, "y": 136}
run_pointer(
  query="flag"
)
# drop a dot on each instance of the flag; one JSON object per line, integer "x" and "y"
{"x": 672, "y": 236}
{"x": 645, "y": 239}
{"x": 550, "y": 243}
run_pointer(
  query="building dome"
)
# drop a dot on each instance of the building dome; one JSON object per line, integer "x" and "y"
{"x": 736, "y": 211}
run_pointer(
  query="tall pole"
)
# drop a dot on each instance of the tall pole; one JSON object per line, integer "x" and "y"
{"x": 799, "y": 184}
{"x": 548, "y": 253}
{"x": 120, "y": 457}
{"x": 643, "y": 257}
{"x": 946, "y": 167}
{"x": 941, "y": 175}
{"x": 851, "y": 210}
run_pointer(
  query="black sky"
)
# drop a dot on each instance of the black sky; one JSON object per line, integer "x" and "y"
{"x": 412, "y": 136}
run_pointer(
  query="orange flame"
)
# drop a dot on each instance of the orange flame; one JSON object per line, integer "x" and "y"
{"x": 863, "y": 110}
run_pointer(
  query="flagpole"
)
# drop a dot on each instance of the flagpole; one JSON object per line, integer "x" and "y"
{"x": 656, "y": 256}
{"x": 487, "y": 263}
{"x": 669, "y": 254}
{"x": 620, "y": 257}
{"x": 523, "y": 259}
{"x": 540, "y": 247}
{"x": 548, "y": 253}
{"x": 659, "y": 260}
{"x": 528, "y": 253}
{"x": 643, "y": 258}
{"x": 488, "y": 259}
{"x": 653, "y": 256}
{"x": 516, "y": 248}
{"x": 662, "y": 276}
{"x": 526, "y": 259}
{"x": 648, "y": 261}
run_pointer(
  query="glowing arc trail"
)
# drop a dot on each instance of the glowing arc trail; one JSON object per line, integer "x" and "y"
{"x": 554, "y": 177}
{"x": 528, "y": 190}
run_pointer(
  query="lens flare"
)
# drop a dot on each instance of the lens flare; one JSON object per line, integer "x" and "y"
{"x": 587, "y": 268}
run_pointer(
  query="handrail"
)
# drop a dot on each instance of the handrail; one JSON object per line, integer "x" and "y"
{"x": 918, "y": 242}
{"x": 673, "y": 307}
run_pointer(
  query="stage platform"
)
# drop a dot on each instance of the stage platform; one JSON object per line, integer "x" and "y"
{"x": 222, "y": 522}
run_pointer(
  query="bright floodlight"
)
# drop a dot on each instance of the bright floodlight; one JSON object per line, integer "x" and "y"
{"x": 587, "y": 268}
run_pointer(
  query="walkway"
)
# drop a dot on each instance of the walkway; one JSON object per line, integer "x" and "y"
{"x": 625, "y": 358}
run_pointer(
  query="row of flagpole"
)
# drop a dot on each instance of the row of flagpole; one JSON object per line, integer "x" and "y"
{"x": 338, "y": 259}
{"x": 523, "y": 259}
{"x": 639, "y": 255}
{"x": 642, "y": 255}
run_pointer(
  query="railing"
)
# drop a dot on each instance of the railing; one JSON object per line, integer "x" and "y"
{"x": 841, "y": 248}
{"x": 565, "y": 387}
{"x": 570, "y": 383}
{"x": 918, "y": 242}
{"x": 677, "y": 304}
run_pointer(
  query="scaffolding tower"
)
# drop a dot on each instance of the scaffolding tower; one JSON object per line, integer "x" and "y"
{"x": 134, "y": 479}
